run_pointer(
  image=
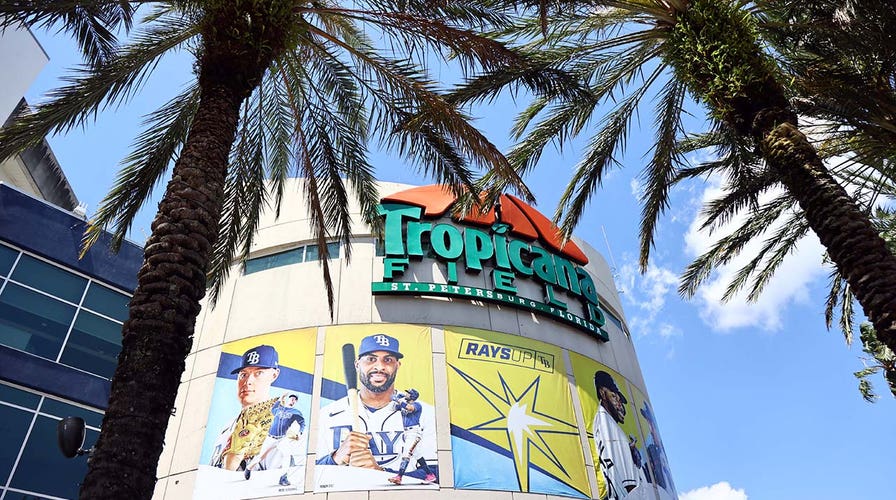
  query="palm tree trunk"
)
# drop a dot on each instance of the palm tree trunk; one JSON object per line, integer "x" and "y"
{"x": 714, "y": 49}
{"x": 158, "y": 334}
{"x": 853, "y": 244}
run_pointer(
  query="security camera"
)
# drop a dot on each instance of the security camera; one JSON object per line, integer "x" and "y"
{"x": 70, "y": 432}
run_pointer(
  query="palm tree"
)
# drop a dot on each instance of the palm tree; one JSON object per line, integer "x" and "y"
{"x": 712, "y": 51}
{"x": 840, "y": 59}
{"x": 281, "y": 88}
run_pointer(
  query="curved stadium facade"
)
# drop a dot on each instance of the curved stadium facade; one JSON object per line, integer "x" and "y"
{"x": 476, "y": 358}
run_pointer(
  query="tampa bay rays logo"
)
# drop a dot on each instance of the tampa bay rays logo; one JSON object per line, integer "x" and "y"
{"x": 520, "y": 430}
{"x": 253, "y": 358}
{"x": 381, "y": 340}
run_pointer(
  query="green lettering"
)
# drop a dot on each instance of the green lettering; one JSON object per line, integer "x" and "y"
{"x": 586, "y": 284}
{"x": 502, "y": 260}
{"x": 566, "y": 274}
{"x": 446, "y": 241}
{"x": 516, "y": 257}
{"x": 393, "y": 267}
{"x": 543, "y": 265}
{"x": 503, "y": 280}
{"x": 416, "y": 230}
{"x": 478, "y": 247}
{"x": 550, "y": 298}
{"x": 394, "y": 214}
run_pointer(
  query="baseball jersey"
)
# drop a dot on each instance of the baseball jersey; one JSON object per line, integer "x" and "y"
{"x": 616, "y": 462}
{"x": 385, "y": 425}
{"x": 284, "y": 416}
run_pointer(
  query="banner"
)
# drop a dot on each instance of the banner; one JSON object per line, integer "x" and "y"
{"x": 255, "y": 442}
{"x": 513, "y": 426}
{"x": 611, "y": 422}
{"x": 655, "y": 462}
{"x": 377, "y": 422}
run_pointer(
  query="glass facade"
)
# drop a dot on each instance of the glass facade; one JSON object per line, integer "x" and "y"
{"x": 31, "y": 465}
{"x": 307, "y": 253}
{"x": 53, "y": 313}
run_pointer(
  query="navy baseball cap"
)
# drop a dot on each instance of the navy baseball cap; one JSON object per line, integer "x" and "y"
{"x": 263, "y": 356}
{"x": 604, "y": 379}
{"x": 379, "y": 342}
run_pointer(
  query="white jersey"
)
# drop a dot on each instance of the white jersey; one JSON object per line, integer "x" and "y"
{"x": 612, "y": 445}
{"x": 386, "y": 428}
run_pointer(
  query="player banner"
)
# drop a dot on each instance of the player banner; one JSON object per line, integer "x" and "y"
{"x": 656, "y": 465}
{"x": 513, "y": 426}
{"x": 255, "y": 442}
{"x": 377, "y": 422}
{"x": 611, "y": 421}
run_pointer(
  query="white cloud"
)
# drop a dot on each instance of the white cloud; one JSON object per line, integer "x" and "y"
{"x": 789, "y": 285}
{"x": 718, "y": 491}
{"x": 648, "y": 292}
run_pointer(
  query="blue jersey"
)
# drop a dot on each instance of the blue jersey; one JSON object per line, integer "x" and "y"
{"x": 284, "y": 416}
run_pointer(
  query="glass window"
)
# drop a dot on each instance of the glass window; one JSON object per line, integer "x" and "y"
{"x": 276, "y": 260}
{"x": 7, "y": 259}
{"x": 13, "y": 427}
{"x": 93, "y": 345}
{"x": 18, "y": 397}
{"x": 42, "y": 457}
{"x": 613, "y": 319}
{"x": 107, "y": 301}
{"x": 33, "y": 322}
{"x": 379, "y": 248}
{"x": 312, "y": 254}
{"x": 49, "y": 278}
{"x": 60, "y": 409}
{"x": 333, "y": 249}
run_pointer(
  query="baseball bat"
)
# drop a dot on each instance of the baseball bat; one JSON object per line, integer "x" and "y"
{"x": 351, "y": 384}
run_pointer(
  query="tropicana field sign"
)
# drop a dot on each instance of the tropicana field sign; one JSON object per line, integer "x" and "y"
{"x": 411, "y": 234}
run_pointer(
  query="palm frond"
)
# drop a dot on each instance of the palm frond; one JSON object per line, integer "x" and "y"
{"x": 165, "y": 131}
{"x": 92, "y": 89}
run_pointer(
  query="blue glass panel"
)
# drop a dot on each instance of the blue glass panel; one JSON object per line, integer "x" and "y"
{"x": 107, "y": 301}
{"x": 13, "y": 427}
{"x": 60, "y": 409}
{"x": 33, "y": 322}
{"x": 42, "y": 457}
{"x": 7, "y": 259}
{"x": 311, "y": 253}
{"x": 333, "y": 249}
{"x": 276, "y": 260}
{"x": 93, "y": 345}
{"x": 49, "y": 278}
{"x": 18, "y": 397}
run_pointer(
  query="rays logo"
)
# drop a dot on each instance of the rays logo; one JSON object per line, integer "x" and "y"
{"x": 381, "y": 340}
{"x": 253, "y": 357}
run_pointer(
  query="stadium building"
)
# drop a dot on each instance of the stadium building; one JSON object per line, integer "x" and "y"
{"x": 60, "y": 317}
{"x": 475, "y": 357}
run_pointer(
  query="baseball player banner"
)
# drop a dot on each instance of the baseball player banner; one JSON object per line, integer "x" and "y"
{"x": 611, "y": 422}
{"x": 513, "y": 426}
{"x": 655, "y": 463}
{"x": 377, "y": 421}
{"x": 255, "y": 442}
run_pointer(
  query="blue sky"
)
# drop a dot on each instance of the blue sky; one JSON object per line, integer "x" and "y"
{"x": 754, "y": 401}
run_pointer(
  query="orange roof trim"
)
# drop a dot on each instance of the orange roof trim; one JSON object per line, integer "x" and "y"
{"x": 527, "y": 222}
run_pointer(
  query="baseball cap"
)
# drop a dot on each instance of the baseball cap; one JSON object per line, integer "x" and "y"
{"x": 263, "y": 356}
{"x": 604, "y": 379}
{"x": 379, "y": 342}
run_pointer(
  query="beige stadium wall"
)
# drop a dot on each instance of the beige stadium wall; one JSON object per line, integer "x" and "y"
{"x": 293, "y": 297}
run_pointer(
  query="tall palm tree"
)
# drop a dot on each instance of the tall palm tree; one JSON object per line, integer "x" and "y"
{"x": 840, "y": 59}
{"x": 281, "y": 88}
{"x": 713, "y": 52}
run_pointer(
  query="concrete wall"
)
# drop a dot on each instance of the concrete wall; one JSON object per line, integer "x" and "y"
{"x": 21, "y": 58}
